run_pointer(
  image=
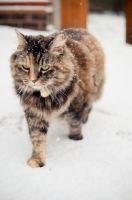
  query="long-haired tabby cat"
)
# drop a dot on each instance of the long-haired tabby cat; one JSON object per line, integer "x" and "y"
{"x": 56, "y": 76}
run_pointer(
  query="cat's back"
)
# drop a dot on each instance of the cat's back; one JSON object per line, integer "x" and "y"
{"x": 82, "y": 36}
{"x": 88, "y": 40}
{"x": 75, "y": 33}
{"x": 90, "y": 57}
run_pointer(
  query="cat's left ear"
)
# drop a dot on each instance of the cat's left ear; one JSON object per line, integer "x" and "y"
{"x": 58, "y": 44}
{"x": 21, "y": 40}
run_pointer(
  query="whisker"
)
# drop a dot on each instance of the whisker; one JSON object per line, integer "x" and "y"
{"x": 53, "y": 96}
{"x": 60, "y": 91}
{"x": 19, "y": 88}
{"x": 63, "y": 93}
{"x": 58, "y": 100}
{"x": 25, "y": 90}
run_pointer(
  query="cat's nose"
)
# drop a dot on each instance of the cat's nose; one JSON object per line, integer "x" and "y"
{"x": 34, "y": 80}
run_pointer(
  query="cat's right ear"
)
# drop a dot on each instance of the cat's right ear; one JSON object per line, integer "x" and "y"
{"x": 21, "y": 41}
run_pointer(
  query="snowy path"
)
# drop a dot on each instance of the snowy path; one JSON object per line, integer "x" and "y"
{"x": 97, "y": 168}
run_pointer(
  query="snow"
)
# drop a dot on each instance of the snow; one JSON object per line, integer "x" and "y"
{"x": 97, "y": 168}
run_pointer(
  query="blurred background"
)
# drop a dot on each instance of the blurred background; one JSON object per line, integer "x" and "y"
{"x": 60, "y": 14}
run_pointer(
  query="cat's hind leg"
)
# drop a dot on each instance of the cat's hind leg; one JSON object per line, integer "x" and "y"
{"x": 86, "y": 112}
{"x": 74, "y": 121}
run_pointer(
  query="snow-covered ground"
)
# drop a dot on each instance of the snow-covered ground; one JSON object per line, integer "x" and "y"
{"x": 97, "y": 168}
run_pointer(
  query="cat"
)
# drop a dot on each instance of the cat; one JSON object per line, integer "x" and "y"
{"x": 60, "y": 75}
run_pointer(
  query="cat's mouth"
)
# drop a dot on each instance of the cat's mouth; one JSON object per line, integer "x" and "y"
{"x": 36, "y": 87}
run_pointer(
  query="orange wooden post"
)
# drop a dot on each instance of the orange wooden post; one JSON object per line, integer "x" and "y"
{"x": 74, "y": 13}
{"x": 129, "y": 21}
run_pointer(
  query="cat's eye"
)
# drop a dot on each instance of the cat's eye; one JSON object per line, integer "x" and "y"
{"x": 45, "y": 67}
{"x": 25, "y": 67}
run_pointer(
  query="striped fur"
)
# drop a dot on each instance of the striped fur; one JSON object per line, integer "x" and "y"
{"x": 73, "y": 81}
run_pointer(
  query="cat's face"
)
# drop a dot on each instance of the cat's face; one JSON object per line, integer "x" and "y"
{"x": 42, "y": 65}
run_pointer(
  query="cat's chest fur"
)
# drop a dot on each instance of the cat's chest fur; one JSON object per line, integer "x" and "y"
{"x": 50, "y": 107}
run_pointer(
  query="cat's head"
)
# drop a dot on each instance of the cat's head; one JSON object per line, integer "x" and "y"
{"x": 42, "y": 63}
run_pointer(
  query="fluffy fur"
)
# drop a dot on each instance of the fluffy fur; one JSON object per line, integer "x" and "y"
{"x": 72, "y": 78}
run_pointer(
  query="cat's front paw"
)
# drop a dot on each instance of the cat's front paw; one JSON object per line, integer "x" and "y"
{"x": 35, "y": 162}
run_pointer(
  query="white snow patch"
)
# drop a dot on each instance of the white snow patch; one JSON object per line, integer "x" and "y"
{"x": 97, "y": 168}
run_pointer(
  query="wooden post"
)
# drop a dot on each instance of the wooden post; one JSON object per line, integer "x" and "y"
{"x": 74, "y": 13}
{"x": 129, "y": 21}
